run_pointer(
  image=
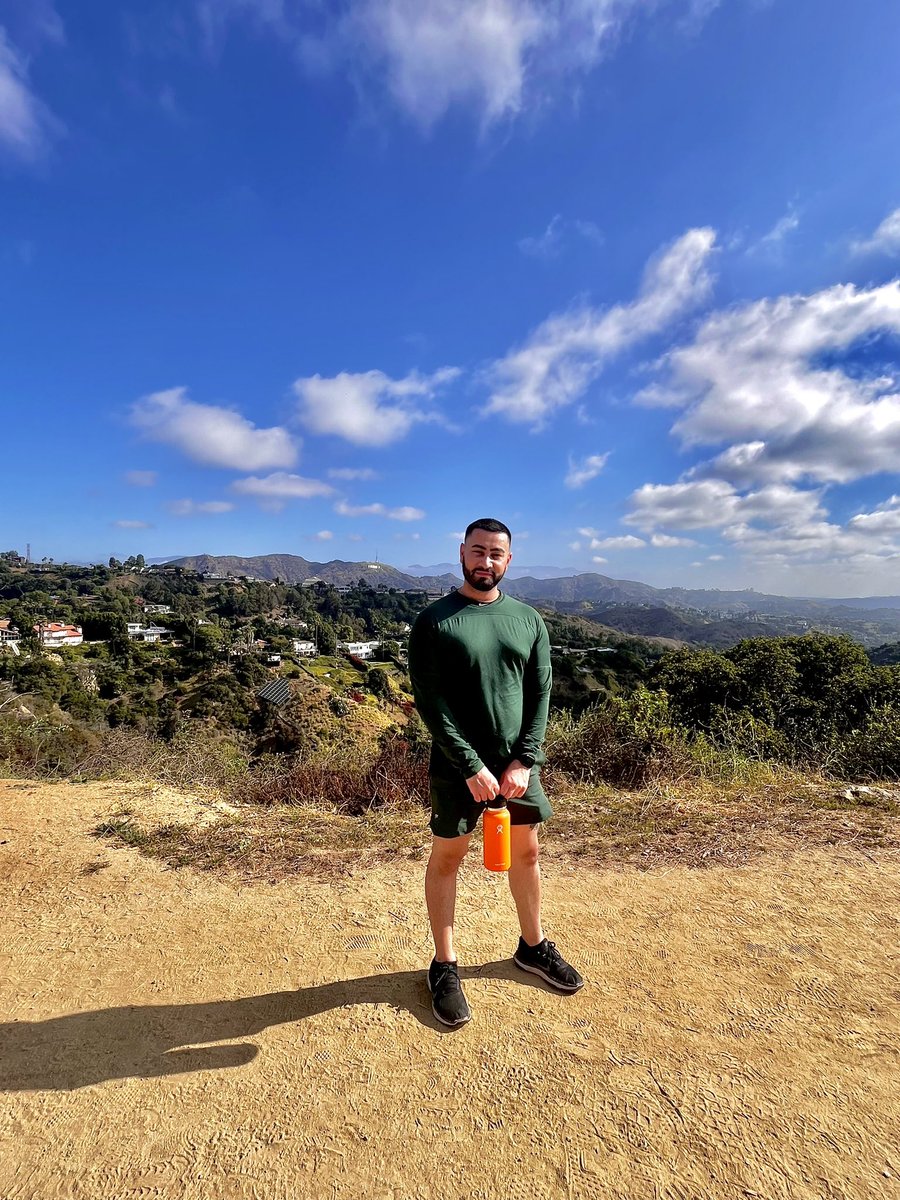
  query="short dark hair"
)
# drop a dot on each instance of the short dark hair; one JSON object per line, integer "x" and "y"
{"x": 490, "y": 524}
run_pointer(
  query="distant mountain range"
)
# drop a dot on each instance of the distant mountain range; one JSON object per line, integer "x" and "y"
{"x": 514, "y": 572}
{"x": 291, "y": 568}
{"x": 567, "y": 588}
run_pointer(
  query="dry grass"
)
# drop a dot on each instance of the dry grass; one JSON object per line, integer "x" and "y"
{"x": 694, "y": 824}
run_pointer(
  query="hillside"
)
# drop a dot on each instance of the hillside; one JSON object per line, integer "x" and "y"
{"x": 292, "y": 568}
{"x": 702, "y": 616}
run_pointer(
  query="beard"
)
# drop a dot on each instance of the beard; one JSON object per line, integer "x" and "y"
{"x": 482, "y": 582}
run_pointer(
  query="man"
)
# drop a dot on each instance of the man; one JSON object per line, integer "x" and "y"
{"x": 479, "y": 662}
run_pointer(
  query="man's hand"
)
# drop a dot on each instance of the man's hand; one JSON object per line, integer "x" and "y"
{"x": 514, "y": 781}
{"x": 483, "y": 786}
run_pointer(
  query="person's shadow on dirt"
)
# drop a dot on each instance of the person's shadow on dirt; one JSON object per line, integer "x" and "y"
{"x": 150, "y": 1040}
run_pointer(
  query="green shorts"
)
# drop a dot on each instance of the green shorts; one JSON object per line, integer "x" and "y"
{"x": 454, "y": 813}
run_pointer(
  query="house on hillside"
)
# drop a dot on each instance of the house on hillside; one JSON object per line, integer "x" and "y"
{"x": 157, "y": 610}
{"x": 358, "y": 649}
{"x": 304, "y": 649}
{"x": 146, "y": 633}
{"x": 9, "y": 635}
{"x": 55, "y": 635}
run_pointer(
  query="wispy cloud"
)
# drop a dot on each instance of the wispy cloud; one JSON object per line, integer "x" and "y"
{"x": 369, "y": 409}
{"x": 772, "y": 242}
{"x": 624, "y": 542}
{"x": 211, "y": 435}
{"x": 404, "y": 513}
{"x": 132, "y": 524}
{"x": 352, "y": 473}
{"x": 569, "y": 351}
{"x": 664, "y": 541}
{"x": 141, "y": 478}
{"x": 583, "y": 472}
{"x": 283, "y": 486}
{"x": 26, "y": 125}
{"x": 195, "y": 508}
{"x": 885, "y": 239}
{"x": 550, "y": 243}
{"x": 494, "y": 58}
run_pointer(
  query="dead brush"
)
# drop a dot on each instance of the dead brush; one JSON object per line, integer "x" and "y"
{"x": 346, "y": 782}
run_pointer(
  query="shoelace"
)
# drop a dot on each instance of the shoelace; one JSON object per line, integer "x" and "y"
{"x": 550, "y": 952}
{"x": 447, "y": 979}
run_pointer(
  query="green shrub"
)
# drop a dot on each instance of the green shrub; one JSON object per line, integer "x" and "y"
{"x": 621, "y": 741}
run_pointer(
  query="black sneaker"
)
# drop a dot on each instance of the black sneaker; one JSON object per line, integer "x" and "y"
{"x": 545, "y": 960}
{"x": 447, "y": 1000}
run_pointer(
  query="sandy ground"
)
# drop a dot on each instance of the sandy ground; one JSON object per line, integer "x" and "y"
{"x": 169, "y": 1034}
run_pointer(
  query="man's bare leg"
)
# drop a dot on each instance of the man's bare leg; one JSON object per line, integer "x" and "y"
{"x": 440, "y": 891}
{"x": 525, "y": 881}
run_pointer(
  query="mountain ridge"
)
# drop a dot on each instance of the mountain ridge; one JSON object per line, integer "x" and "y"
{"x": 584, "y": 587}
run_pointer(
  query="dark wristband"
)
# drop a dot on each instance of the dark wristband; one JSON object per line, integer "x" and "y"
{"x": 527, "y": 760}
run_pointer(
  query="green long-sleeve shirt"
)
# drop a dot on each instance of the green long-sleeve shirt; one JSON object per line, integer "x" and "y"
{"x": 481, "y": 679}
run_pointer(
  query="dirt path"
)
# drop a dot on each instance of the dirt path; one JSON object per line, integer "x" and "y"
{"x": 167, "y": 1034}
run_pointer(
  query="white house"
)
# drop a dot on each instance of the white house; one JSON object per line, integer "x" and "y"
{"x": 55, "y": 635}
{"x": 359, "y": 649}
{"x": 304, "y": 649}
{"x": 157, "y": 610}
{"x": 152, "y": 633}
{"x": 146, "y": 633}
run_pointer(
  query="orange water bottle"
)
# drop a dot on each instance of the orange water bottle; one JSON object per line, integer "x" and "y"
{"x": 495, "y": 828}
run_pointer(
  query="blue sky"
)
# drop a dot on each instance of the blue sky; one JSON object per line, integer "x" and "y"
{"x": 333, "y": 278}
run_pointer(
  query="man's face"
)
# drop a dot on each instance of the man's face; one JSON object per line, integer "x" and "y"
{"x": 484, "y": 558}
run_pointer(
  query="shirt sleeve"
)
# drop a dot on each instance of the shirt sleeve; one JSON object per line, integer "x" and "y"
{"x": 536, "y": 700}
{"x": 424, "y": 674}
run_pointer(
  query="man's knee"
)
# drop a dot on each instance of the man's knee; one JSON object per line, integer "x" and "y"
{"x": 526, "y": 851}
{"x": 448, "y": 853}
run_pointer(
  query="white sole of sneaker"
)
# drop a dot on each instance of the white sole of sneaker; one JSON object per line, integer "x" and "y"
{"x": 557, "y": 987}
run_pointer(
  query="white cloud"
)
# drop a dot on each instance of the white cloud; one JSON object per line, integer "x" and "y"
{"x": 563, "y": 356}
{"x": 370, "y": 409}
{"x": 193, "y": 508}
{"x": 324, "y": 535}
{"x": 664, "y": 541}
{"x": 26, "y": 125}
{"x": 141, "y": 478}
{"x": 132, "y": 525}
{"x": 716, "y": 504}
{"x": 282, "y": 485}
{"x": 715, "y": 558}
{"x": 627, "y": 542}
{"x": 352, "y": 473}
{"x": 784, "y": 530}
{"x": 885, "y": 239}
{"x": 589, "y": 468}
{"x": 496, "y": 58}
{"x": 753, "y": 378}
{"x": 597, "y": 559}
{"x": 214, "y": 436}
{"x": 404, "y": 513}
